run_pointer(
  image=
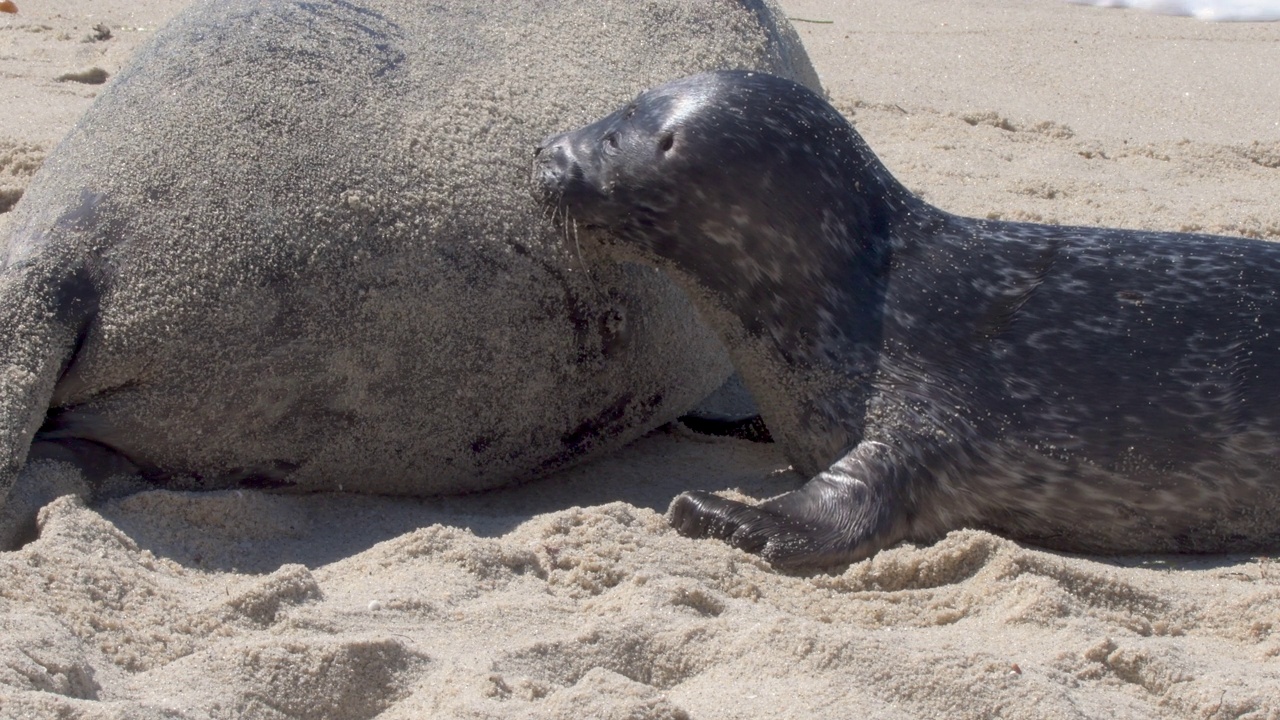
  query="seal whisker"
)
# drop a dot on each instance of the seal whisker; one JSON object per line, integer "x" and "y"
{"x": 586, "y": 267}
{"x": 569, "y": 231}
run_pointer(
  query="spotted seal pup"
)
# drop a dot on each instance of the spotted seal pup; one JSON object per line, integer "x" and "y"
{"x": 1084, "y": 389}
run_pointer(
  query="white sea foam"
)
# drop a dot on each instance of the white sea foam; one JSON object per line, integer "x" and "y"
{"x": 1224, "y": 10}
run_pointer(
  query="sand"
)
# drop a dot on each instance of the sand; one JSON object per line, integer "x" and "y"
{"x": 570, "y": 597}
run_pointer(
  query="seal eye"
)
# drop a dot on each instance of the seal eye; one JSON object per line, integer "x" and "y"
{"x": 611, "y": 143}
{"x": 666, "y": 141}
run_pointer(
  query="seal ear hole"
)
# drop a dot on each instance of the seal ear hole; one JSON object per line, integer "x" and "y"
{"x": 666, "y": 141}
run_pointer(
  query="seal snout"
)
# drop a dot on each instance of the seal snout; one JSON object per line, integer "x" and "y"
{"x": 555, "y": 165}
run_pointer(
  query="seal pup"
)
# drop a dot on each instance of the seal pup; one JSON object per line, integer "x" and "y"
{"x": 1084, "y": 389}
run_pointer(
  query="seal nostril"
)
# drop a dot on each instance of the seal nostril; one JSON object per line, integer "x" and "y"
{"x": 666, "y": 142}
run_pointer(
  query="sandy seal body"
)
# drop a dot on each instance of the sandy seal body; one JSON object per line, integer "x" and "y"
{"x": 292, "y": 245}
{"x": 1086, "y": 389}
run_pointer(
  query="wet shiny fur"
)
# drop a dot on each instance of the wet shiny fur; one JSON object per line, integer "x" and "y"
{"x": 1085, "y": 389}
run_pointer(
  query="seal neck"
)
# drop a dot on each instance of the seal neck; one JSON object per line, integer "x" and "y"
{"x": 800, "y": 306}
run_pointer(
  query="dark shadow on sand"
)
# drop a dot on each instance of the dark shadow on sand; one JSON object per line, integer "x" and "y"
{"x": 333, "y": 526}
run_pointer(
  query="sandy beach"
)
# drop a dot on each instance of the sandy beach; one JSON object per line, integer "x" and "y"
{"x": 571, "y": 597}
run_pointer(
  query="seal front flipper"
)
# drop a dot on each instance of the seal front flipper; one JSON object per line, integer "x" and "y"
{"x": 842, "y": 515}
{"x": 48, "y": 297}
{"x": 35, "y": 345}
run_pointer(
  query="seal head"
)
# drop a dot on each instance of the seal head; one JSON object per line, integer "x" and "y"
{"x": 696, "y": 159}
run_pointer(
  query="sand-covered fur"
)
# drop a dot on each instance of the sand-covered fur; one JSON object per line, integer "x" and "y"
{"x": 292, "y": 246}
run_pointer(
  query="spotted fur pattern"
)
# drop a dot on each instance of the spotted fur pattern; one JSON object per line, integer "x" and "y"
{"x": 1085, "y": 389}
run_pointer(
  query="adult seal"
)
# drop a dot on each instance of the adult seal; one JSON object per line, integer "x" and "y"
{"x": 1084, "y": 389}
{"x": 292, "y": 246}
